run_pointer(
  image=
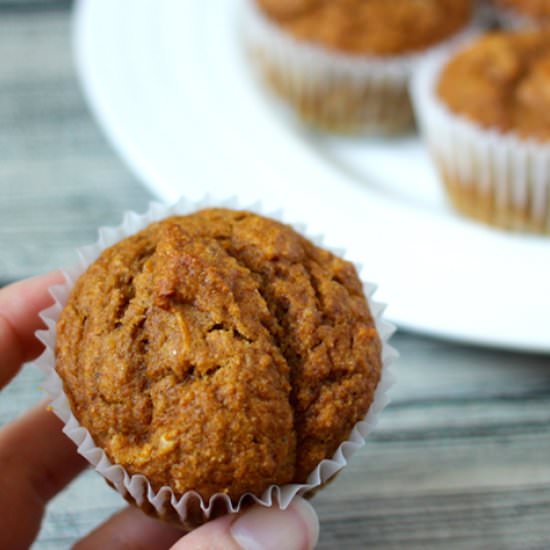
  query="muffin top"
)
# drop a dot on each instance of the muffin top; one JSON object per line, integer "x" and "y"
{"x": 502, "y": 81}
{"x": 532, "y": 8}
{"x": 379, "y": 27}
{"x": 218, "y": 352}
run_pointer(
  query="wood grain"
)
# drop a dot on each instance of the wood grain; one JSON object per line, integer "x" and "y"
{"x": 58, "y": 179}
{"x": 460, "y": 457}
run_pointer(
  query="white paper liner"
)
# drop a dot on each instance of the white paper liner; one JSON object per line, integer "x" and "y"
{"x": 137, "y": 486}
{"x": 505, "y": 178}
{"x": 334, "y": 90}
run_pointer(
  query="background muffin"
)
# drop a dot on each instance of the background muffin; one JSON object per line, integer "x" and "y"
{"x": 344, "y": 64}
{"x": 486, "y": 115}
{"x": 219, "y": 352}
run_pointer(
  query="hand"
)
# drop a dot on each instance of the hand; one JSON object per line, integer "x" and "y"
{"x": 37, "y": 461}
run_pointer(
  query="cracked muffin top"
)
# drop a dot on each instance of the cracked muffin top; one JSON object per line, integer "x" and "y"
{"x": 532, "y": 8}
{"x": 218, "y": 352}
{"x": 379, "y": 27}
{"x": 502, "y": 81}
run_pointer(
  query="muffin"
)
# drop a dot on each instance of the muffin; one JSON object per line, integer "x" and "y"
{"x": 515, "y": 14}
{"x": 217, "y": 353}
{"x": 485, "y": 113}
{"x": 343, "y": 65}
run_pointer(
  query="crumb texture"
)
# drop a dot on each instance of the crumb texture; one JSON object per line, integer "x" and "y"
{"x": 502, "y": 81}
{"x": 218, "y": 352}
{"x": 379, "y": 27}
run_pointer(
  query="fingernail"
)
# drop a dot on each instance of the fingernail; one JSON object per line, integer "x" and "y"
{"x": 296, "y": 528}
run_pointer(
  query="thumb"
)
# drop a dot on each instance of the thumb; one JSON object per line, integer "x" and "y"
{"x": 259, "y": 528}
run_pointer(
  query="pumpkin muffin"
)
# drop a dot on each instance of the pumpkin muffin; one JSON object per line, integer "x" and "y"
{"x": 218, "y": 352}
{"x": 344, "y": 65}
{"x": 486, "y": 116}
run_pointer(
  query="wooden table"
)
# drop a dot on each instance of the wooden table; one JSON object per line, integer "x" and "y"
{"x": 460, "y": 458}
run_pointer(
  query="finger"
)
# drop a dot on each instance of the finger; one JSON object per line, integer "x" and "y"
{"x": 20, "y": 304}
{"x": 260, "y": 528}
{"x": 130, "y": 528}
{"x": 36, "y": 461}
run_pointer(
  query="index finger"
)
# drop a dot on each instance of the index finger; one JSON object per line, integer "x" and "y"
{"x": 20, "y": 304}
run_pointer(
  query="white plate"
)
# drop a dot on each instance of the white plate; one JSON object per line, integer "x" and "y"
{"x": 169, "y": 83}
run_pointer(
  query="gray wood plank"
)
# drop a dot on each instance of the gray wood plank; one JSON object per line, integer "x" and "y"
{"x": 34, "y": 5}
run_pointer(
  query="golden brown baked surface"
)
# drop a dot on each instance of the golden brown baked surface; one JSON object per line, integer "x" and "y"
{"x": 532, "y": 8}
{"x": 218, "y": 352}
{"x": 502, "y": 81}
{"x": 380, "y": 27}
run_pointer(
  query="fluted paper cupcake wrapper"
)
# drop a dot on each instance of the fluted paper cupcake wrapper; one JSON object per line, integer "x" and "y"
{"x": 330, "y": 89}
{"x": 163, "y": 503}
{"x": 495, "y": 177}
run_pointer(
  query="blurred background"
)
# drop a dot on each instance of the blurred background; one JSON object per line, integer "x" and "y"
{"x": 57, "y": 181}
{"x": 460, "y": 458}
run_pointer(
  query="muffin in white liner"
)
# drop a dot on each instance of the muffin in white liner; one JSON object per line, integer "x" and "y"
{"x": 190, "y": 509}
{"x": 333, "y": 90}
{"x": 497, "y": 178}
